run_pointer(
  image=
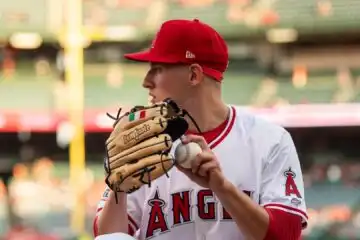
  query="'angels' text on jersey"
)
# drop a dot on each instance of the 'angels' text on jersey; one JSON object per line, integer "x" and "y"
{"x": 183, "y": 210}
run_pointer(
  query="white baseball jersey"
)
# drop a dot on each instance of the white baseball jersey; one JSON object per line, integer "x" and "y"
{"x": 258, "y": 157}
{"x": 115, "y": 236}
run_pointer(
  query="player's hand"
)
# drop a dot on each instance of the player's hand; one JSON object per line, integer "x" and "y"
{"x": 205, "y": 169}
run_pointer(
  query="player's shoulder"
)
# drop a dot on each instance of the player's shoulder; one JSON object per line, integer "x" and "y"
{"x": 257, "y": 127}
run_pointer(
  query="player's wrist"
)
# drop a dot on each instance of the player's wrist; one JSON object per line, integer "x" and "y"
{"x": 222, "y": 187}
{"x": 120, "y": 196}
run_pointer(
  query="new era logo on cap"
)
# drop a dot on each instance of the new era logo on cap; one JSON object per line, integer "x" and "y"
{"x": 189, "y": 55}
{"x": 186, "y": 41}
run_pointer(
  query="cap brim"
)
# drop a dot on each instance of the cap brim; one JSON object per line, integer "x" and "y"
{"x": 146, "y": 56}
{"x": 139, "y": 56}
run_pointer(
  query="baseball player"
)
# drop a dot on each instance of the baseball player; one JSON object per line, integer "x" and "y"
{"x": 246, "y": 183}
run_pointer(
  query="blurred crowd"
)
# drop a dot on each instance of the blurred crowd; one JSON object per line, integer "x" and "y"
{"x": 249, "y": 12}
{"x": 42, "y": 194}
{"x": 346, "y": 89}
{"x": 38, "y": 199}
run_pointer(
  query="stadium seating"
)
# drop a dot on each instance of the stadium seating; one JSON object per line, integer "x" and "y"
{"x": 331, "y": 194}
{"x": 304, "y": 14}
{"x": 26, "y": 89}
{"x": 35, "y": 18}
{"x": 317, "y": 90}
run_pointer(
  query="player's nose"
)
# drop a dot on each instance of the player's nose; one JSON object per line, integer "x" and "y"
{"x": 148, "y": 82}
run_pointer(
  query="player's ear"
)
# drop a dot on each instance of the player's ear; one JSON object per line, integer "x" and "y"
{"x": 196, "y": 74}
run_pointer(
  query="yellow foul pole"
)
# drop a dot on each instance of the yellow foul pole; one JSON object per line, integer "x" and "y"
{"x": 73, "y": 44}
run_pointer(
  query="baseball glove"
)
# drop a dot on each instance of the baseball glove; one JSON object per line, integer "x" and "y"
{"x": 139, "y": 145}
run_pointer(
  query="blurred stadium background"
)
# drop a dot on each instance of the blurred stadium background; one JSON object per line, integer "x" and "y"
{"x": 296, "y": 63}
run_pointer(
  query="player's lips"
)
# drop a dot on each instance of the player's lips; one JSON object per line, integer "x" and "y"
{"x": 152, "y": 98}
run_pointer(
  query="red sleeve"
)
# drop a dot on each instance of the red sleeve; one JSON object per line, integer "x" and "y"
{"x": 95, "y": 228}
{"x": 283, "y": 225}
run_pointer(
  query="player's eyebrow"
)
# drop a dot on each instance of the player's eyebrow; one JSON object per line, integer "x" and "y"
{"x": 156, "y": 65}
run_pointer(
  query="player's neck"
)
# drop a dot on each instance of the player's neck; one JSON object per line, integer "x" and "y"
{"x": 208, "y": 112}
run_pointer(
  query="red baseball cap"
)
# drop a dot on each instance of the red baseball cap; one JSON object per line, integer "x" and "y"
{"x": 187, "y": 41}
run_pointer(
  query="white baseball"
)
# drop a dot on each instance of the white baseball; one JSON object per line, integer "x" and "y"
{"x": 186, "y": 153}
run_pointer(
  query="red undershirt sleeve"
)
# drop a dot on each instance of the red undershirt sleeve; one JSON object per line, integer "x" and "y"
{"x": 95, "y": 226}
{"x": 283, "y": 225}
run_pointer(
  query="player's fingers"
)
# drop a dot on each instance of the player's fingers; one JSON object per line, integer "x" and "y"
{"x": 201, "y": 159}
{"x": 208, "y": 162}
{"x": 186, "y": 171}
{"x": 197, "y": 139}
{"x": 205, "y": 168}
{"x": 189, "y": 174}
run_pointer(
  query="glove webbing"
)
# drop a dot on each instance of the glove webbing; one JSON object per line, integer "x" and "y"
{"x": 136, "y": 108}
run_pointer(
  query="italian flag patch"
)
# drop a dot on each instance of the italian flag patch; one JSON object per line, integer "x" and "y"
{"x": 137, "y": 115}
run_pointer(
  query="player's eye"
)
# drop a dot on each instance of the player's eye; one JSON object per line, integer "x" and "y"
{"x": 155, "y": 70}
